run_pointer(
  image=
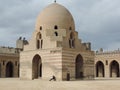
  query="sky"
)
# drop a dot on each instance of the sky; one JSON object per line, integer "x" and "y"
{"x": 96, "y": 21}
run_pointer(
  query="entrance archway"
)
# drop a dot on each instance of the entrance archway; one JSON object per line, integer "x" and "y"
{"x": 79, "y": 67}
{"x": 36, "y": 67}
{"x": 114, "y": 69}
{"x": 9, "y": 69}
{"x": 99, "y": 69}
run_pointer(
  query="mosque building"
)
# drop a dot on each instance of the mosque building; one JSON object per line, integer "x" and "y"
{"x": 55, "y": 49}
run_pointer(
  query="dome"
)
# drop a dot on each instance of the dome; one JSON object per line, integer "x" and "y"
{"x": 55, "y": 15}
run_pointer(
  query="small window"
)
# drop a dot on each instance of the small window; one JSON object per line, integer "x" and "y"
{"x": 106, "y": 62}
{"x": 3, "y": 62}
{"x": 16, "y": 63}
{"x": 72, "y": 40}
{"x": 70, "y": 28}
{"x": 41, "y": 43}
{"x": 71, "y": 35}
{"x": 40, "y": 27}
{"x": 56, "y": 27}
{"x": 40, "y": 36}
{"x": 38, "y": 44}
{"x": 56, "y": 34}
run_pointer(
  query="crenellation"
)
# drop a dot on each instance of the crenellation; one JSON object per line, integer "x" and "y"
{"x": 7, "y": 49}
{"x": 108, "y": 52}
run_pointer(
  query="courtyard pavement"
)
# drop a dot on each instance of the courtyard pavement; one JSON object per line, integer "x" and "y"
{"x": 17, "y": 84}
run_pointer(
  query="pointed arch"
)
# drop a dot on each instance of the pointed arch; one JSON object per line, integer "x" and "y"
{"x": 100, "y": 69}
{"x": 39, "y": 41}
{"x": 114, "y": 69}
{"x": 9, "y": 69}
{"x": 72, "y": 40}
{"x": 36, "y": 67}
{"x": 79, "y": 67}
{"x": 39, "y": 36}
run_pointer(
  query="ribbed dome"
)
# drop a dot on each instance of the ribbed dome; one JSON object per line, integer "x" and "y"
{"x": 55, "y": 14}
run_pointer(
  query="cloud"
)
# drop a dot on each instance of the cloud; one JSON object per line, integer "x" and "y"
{"x": 100, "y": 22}
{"x": 96, "y": 21}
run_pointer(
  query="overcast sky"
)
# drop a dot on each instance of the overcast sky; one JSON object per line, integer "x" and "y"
{"x": 97, "y": 21}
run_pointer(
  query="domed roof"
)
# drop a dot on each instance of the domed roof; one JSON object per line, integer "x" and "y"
{"x": 55, "y": 15}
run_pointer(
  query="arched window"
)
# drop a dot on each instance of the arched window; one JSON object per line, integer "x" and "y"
{"x": 55, "y": 27}
{"x": 72, "y": 40}
{"x": 40, "y": 27}
{"x": 40, "y": 36}
{"x": 56, "y": 34}
{"x": 70, "y": 28}
{"x": 39, "y": 41}
{"x": 38, "y": 44}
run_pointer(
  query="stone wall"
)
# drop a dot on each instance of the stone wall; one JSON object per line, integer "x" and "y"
{"x": 107, "y": 60}
{"x": 10, "y": 62}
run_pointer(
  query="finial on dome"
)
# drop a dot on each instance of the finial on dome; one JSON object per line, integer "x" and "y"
{"x": 55, "y": 1}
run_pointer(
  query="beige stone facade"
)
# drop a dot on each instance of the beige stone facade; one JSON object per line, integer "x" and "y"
{"x": 9, "y": 62}
{"x": 9, "y": 59}
{"x": 54, "y": 48}
{"x": 107, "y": 64}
